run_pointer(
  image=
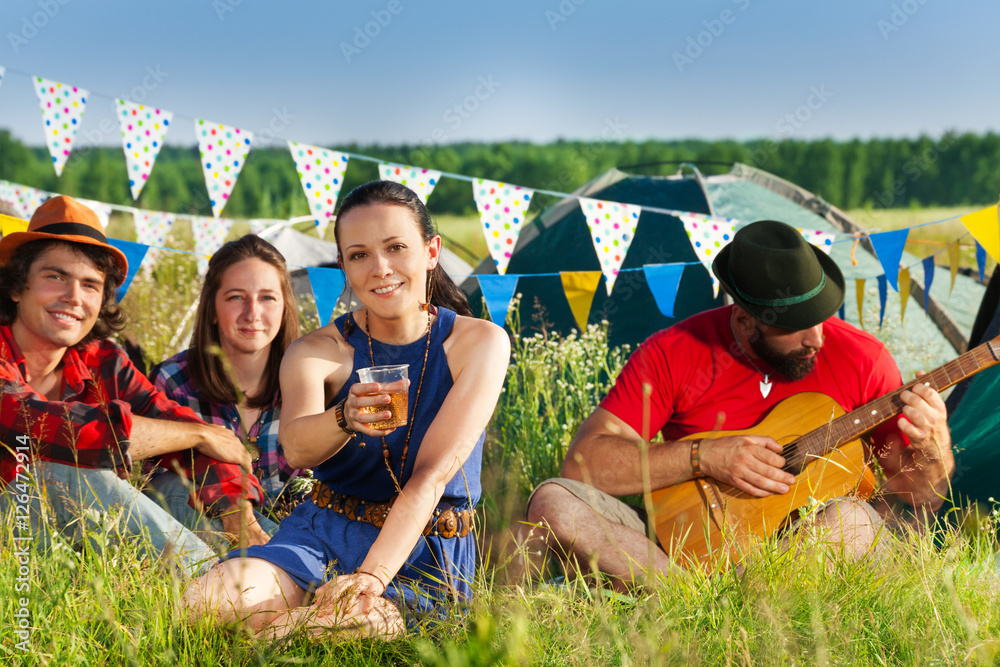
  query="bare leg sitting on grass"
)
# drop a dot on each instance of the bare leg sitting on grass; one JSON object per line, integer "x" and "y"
{"x": 265, "y": 598}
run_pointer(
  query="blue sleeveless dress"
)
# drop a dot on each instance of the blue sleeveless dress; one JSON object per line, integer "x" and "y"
{"x": 315, "y": 544}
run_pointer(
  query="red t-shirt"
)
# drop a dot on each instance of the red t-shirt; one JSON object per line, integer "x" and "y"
{"x": 700, "y": 380}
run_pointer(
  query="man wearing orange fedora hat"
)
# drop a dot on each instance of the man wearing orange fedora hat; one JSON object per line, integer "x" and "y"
{"x": 73, "y": 405}
{"x": 720, "y": 372}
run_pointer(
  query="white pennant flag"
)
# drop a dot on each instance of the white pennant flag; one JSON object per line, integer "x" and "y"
{"x": 62, "y": 111}
{"x": 822, "y": 240}
{"x": 258, "y": 225}
{"x": 102, "y": 210}
{"x": 223, "y": 152}
{"x": 421, "y": 181}
{"x": 151, "y": 229}
{"x": 143, "y": 129}
{"x": 209, "y": 234}
{"x": 502, "y": 209}
{"x": 321, "y": 172}
{"x": 612, "y": 228}
{"x": 26, "y": 198}
{"x": 708, "y": 236}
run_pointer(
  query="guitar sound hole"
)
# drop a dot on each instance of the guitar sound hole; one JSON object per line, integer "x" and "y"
{"x": 793, "y": 458}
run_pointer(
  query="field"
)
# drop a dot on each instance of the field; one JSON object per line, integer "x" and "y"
{"x": 929, "y": 598}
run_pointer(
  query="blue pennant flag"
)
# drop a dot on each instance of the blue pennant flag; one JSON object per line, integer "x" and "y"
{"x": 134, "y": 253}
{"x": 498, "y": 292}
{"x": 928, "y": 263}
{"x": 663, "y": 281}
{"x": 883, "y": 294}
{"x": 843, "y": 311}
{"x": 327, "y": 284}
{"x": 981, "y": 261}
{"x": 889, "y": 248}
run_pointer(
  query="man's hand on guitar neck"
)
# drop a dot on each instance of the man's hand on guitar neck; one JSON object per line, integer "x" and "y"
{"x": 751, "y": 463}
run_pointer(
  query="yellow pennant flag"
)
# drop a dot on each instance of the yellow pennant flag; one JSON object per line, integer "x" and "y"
{"x": 904, "y": 292}
{"x": 9, "y": 224}
{"x": 953, "y": 260}
{"x": 984, "y": 225}
{"x": 579, "y": 287}
{"x": 859, "y": 286}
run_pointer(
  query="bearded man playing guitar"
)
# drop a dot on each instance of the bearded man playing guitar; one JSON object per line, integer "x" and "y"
{"x": 727, "y": 370}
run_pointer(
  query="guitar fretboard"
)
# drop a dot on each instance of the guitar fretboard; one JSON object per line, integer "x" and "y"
{"x": 865, "y": 419}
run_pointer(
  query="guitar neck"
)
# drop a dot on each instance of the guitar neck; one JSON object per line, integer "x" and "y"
{"x": 863, "y": 420}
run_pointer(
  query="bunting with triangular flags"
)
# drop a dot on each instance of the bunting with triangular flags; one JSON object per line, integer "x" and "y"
{"x": 502, "y": 210}
{"x": 889, "y": 250}
{"x": 102, "y": 210}
{"x": 981, "y": 261}
{"x": 151, "y": 229}
{"x": 26, "y": 198}
{"x": 822, "y": 240}
{"x": 984, "y": 225}
{"x": 859, "y": 292}
{"x": 612, "y": 228}
{"x": 143, "y": 129}
{"x": 708, "y": 236}
{"x": 134, "y": 253}
{"x": 327, "y": 285}
{"x": 10, "y": 224}
{"x": 579, "y": 287}
{"x": 62, "y": 112}
{"x": 498, "y": 291}
{"x": 321, "y": 172}
{"x": 953, "y": 260}
{"x": 209, "y": 234}
{"x": 223, "y": 150}
{"x": 883, "y": 295}
{"x": 929, "y": 269}
{"x": 663, "y": 281}
{"x": 421, "y": 181}
{"x": 904, "y": 292}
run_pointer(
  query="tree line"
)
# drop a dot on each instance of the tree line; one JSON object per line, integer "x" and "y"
{"x": 952, "y": 170}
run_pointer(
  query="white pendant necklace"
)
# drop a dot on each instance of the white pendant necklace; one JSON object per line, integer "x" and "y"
{"x": 765, "y": 384}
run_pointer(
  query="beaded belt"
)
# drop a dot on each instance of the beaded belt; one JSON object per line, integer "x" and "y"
{"x": 447, "y": 521}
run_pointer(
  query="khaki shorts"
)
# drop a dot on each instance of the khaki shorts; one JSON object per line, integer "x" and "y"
{"x": 604, "y": 504}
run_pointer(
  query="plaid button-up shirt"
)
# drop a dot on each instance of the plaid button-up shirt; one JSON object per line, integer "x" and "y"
{"x": 173, "y": 379}
{"x": 90, "y": 424}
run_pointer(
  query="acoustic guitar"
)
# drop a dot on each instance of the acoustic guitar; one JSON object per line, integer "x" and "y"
{"x": 701, "y": 519}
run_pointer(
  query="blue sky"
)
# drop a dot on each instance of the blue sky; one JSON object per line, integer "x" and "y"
{"x": 432, "y": 71}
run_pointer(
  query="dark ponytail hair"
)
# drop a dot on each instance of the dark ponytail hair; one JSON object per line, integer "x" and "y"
{"x": 444, "y": 292}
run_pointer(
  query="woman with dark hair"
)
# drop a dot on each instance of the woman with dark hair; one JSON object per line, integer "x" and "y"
{"x": 389, "y": 527}
{"x": 246, "y": 319}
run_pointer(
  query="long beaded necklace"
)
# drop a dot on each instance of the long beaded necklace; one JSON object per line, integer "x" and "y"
{"x": 765, "y": 384}
{"x": 420, "y": 383}
{"x": 251, "y": 434}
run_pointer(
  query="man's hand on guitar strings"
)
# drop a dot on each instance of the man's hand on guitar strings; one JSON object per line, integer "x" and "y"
{"x": 925, "y": 421}
{"x": 751, "y": 463}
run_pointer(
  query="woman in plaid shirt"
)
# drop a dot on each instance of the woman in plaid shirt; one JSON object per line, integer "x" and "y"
{"x": 246, "y": 319}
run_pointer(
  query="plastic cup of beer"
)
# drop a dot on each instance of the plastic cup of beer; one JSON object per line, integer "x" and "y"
{"x": 399, "y": 398}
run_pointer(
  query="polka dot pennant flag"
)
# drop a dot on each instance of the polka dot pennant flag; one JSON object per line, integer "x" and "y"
{"x": 151, "y": 229}
{"x": 258, "y": 225}
{"x": 321, "y": 172}
{"x": 502, "y": 208}
{"x": 25, "y": 198}
{"x": 62, "y": 112}
{"x": 102, "y": 210}
{"x": 421, "y": 181}
{"x": 822, "y": 240}
{"x": 612, "y": 228}
{"x": 143, "y": 129}
{"x": 209, "y": 234}
{"x": 223, "y": 152}
{"x": 708, "y": 236}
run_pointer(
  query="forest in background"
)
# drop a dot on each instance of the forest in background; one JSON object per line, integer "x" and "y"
{"x": 952, "y": 170}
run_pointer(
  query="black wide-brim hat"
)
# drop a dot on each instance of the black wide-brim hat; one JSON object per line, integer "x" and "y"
{"x": 778, "y": 277}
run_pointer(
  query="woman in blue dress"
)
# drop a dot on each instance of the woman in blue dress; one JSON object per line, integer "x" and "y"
{"x": 387, "y": 535}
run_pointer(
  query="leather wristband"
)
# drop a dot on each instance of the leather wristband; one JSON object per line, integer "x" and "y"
{"x": 696, "y": 459}
{"x": 377, "y": 578}
{"x": 338, "y": 412}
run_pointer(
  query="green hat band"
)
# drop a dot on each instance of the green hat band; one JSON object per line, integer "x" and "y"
{"x": 790, "y": 301}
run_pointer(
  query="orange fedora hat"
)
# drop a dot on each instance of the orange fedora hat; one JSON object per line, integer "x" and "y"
{"x": 62, "y": 218}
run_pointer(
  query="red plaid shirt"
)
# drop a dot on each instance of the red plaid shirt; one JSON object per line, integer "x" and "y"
{"x": 90, "y": 425}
